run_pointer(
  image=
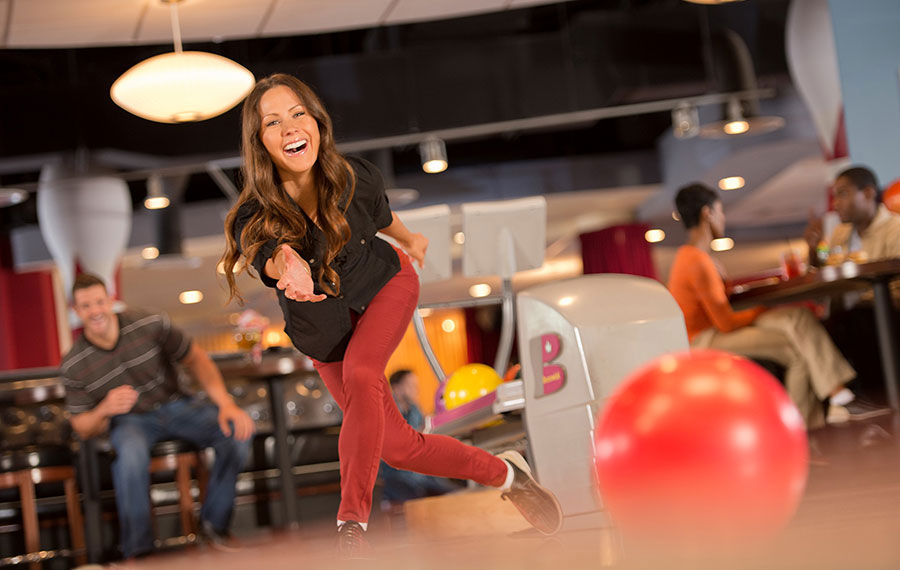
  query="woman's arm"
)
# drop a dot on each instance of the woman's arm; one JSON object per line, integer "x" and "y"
{"x": 413, "y": 244}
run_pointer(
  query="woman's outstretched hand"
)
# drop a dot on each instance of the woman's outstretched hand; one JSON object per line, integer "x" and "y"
{"x": 416, "y": 247}
{"x": 296, "y": 279}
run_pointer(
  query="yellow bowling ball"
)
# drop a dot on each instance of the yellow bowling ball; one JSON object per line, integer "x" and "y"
{"x": 468, "y": 383}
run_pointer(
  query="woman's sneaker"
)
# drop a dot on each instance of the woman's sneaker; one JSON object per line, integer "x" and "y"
{"x": 352, "y": 543}
{"x": 537, "y": 504}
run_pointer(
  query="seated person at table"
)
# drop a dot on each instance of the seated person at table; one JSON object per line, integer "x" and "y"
{"x": 869, "y": 231}
{"x": 791, "y": 336}
{"x": 400, "y": 485}
{"x": 121, "y": 376}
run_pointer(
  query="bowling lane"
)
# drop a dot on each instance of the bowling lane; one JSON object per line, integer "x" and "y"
{"x": 849, "y": 517}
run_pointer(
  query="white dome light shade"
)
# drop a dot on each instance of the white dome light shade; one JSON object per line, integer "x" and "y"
{"x": 178, "y": 87}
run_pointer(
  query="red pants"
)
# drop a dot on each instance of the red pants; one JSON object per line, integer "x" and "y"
{"x": 373, "y": 427}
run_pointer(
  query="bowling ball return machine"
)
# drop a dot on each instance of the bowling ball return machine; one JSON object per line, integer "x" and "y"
{"x": 578, "y": 339}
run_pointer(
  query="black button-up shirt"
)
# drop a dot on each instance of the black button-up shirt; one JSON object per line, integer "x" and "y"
{"x": 366, "y": 263}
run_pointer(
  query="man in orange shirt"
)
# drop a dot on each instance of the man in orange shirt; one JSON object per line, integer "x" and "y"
{"x": 790, "y": 336}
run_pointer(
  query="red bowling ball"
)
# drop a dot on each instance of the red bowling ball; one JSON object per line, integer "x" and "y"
{"x": 701, "y": 449}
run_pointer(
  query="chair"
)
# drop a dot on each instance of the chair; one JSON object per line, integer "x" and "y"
{"x": 182, "y": 457}
{"x": 25, "y": 468}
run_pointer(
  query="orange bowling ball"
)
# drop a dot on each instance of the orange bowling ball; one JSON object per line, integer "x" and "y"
{"x": 700, "y": 450}
{"x": 891, "y": 196}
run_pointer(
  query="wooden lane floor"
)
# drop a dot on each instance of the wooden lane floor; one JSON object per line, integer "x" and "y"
{"x": 849, "y": 518}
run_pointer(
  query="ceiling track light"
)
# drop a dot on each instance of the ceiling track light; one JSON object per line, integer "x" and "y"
{"x": 156, "y": 197}
{"x": 739, "y": 121}
{"x": 181, "y": 86}
{"x": 685, "y": 121}
{"x": 433, "y": 153}
{"x": 733, "y": 66}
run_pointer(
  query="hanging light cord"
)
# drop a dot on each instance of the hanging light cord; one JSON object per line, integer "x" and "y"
{"x": 176, "y": 26}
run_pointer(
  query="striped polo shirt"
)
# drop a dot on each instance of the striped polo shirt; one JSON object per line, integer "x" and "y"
{"x": 144, "y": 357}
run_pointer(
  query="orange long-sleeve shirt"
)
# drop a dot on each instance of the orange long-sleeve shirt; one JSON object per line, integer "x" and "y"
{"x": 699, "y": 290}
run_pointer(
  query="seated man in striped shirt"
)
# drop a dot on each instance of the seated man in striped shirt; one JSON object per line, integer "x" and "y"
{"x": 121, "y": 376}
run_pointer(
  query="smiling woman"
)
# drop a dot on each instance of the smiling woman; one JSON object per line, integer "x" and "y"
{"x": 306, "y": 221}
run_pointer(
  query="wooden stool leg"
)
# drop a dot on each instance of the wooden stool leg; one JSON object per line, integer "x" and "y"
{"x": 29, "y": 515}
{"x": 76, "y": 521}
{"x": 183, "y": 484}
{"x": 202, "y": 475}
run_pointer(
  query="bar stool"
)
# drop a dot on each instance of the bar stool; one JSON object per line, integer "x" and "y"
{"x": 23, "y": 469}
{"x": 182, "y": 457}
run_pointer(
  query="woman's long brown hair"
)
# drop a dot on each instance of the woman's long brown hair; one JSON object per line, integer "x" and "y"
{"x": 279, "y": 217}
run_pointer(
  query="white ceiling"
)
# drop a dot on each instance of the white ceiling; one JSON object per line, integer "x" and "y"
{"x": 82, "y": 23}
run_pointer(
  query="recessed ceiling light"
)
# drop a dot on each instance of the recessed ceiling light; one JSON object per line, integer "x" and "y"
{"x": 654, "y": 235}
{"x": 722, "y": 244}
{"x": 150, "y": 252}
{"x": 459, "y": 238}
{"x": 731, "y": 183}
{"x": 480, "y": 290}
{"x": 190, "y": 297}
{"x": 238, "y": 265}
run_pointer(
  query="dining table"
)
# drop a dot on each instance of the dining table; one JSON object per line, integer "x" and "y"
{"x": 836, "y": 281}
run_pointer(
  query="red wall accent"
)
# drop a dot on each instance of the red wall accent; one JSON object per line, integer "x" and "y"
{"x": 618, "y": 249}
{"x": 28, "y": 327}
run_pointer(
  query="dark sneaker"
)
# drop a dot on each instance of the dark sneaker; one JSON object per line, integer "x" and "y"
{"x": 352, "y": 543}
{"x": 219, "y": 539}
{"x": 537, "y": 504}
{"x": 855, "y": 411}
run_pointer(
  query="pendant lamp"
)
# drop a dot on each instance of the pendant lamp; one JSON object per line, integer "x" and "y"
{"x": 182, "y": 86}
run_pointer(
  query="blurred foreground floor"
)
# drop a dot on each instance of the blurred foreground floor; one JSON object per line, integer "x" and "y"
{"x": 849, "y": 519}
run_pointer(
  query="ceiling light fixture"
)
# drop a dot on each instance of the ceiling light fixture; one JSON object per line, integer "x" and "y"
{"x": 655, "y": 235}
{"x": 434, "y": 155}
{"x": 156, "y": 197}
{"x": 181, "y": 86}
{"x": 12, "y": 196}
{"x": 150, "y": 252}
{"x": 190, "y": 297}
{"x": 479, "y": 290}
{"x": 731, "y": 183}
{"x": 721, "y": 244}
{"x": 685, "y": 121}
{"x": 740, "y": 119}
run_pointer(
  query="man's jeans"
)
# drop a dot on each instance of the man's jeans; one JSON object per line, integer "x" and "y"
{"x": 132, "y": 436}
